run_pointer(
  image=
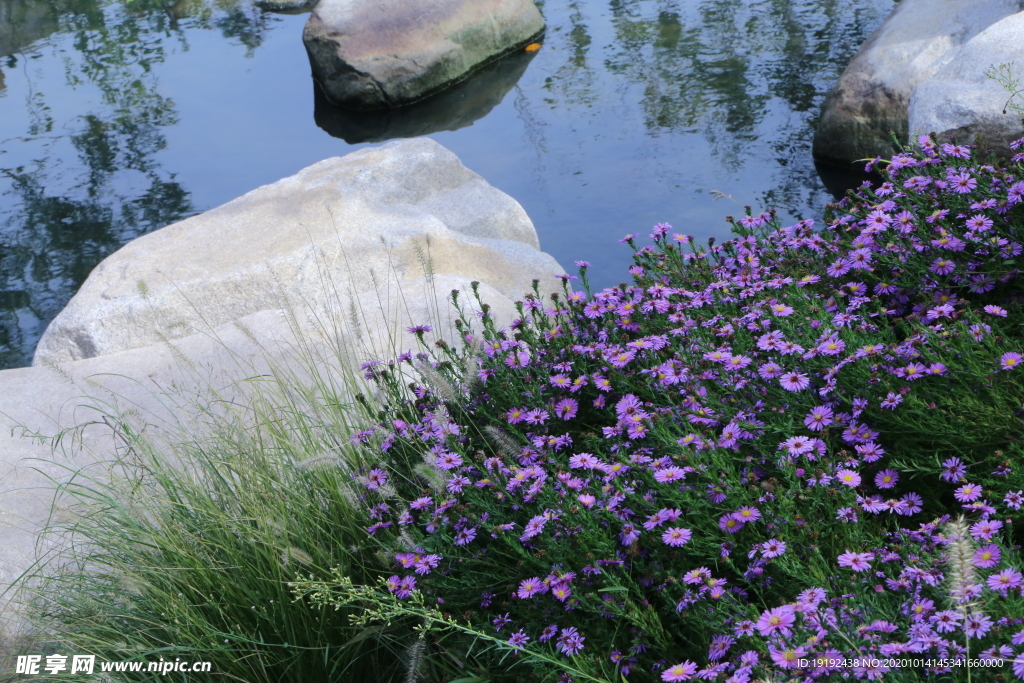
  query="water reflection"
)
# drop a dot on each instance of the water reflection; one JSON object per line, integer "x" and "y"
{"x": 451, "y": 109}
{"x": 121, "y": 116}
{"x": 78, "y": 189}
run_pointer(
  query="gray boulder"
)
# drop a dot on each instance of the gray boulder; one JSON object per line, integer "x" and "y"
{"x": 962, "y": 102}
{"x": 337, "y": 228}
{"x": 387, "y": 53}
{"x": 873, "y": 94}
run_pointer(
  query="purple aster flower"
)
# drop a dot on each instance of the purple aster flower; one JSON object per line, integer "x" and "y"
{"x": 519, "y": 639}
{"x": 985, "y": 529}
{"x": 954, "y": 469}
{"x": 530, "y": 587}
{"x": 858, "y": 562}
{"x": 570, "y": 641}
{"x": 683, "y": 671}
{"x": 584, "y": 461}
{"x": 536, "y": 416}
{"x": 548, "y": 633}
{"x": 887, "y": 478}
{"x": 945, "y": 621}
{"x": 977, "y": 625}
{"x": 628, "y": 534}
{"x": 1010, "y": 360}
{"x": 676, "y": 536}
{"x": 819, "y": 418}
{"x": 1004, "y": 581}
{"x": 747, "y": 514}
{"x": 773, "y": 548}
{"x": 567, "y": 408}
{"x": 728, "y": 522}
{"x": 667, "y": 474}
{"x": 1014, "y": 499}
{"x": 533, "y": 527}
{"x": 987, "y": 556}
{"x": 967, "y": 493}
{"x": 776, "y": 620}
{"x": 848, "y": 478}
{"x": 995, "y": 310}
{"x": 794, "y": 381}
{"x": 719, "y": 646}
{"x": 500, "y": 621}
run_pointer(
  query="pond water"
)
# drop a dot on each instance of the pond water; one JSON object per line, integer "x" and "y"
{"x": 117, "y": 118}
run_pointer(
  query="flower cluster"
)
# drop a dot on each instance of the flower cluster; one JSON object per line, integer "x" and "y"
{"x": 627, "y": 477}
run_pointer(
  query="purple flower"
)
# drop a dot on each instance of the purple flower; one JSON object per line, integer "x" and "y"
{"x": 729, "y": 523}
{"x": 566, "y": 408}
{"x": 500, "y": 621}
{"x": 954, "y": 469}
{"x": 967, "y": 493}
{"x": 858, "y": 562}
{"x": 848, "y": 478}
{"x": 886, "y": 479}
{"x": 977, "y": 625}
{"x": 794, "y": 381}
{"x": 819, "y": 418}
{"x": 680, "y": 672}
{"x": 533, "y": 527}
{"x": 778, "y": 619}
{"x": 1005, "y": 580}
{"x": 628, "y": 534}
{"x": 519, "y": 639}
{"x": 1010, "y": 360}
{"x": 676, "y": 536}
{"x": 985, "y": 529}
{"x": 570, "y": 642}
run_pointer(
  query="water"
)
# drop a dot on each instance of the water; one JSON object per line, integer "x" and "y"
{"x": 117, "y": 118}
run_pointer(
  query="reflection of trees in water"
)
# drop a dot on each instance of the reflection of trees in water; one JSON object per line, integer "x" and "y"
{"x": 716, "y": 66}
{"x": 61, "y": 218}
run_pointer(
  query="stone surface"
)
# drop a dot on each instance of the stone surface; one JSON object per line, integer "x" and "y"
{"x": 961, "y": 101}
{"x": 872, "y": 96}
{"x": 386, "y": 53}
{"x": 332, "y": 230}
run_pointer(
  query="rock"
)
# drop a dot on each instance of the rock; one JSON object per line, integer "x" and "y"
{"x": 962, "y": 102}
{"x": 334, "y": 229}
{"x": 387, "y": 53}
{"x": 872, "y": 96}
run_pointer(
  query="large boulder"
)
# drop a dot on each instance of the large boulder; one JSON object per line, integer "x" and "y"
{"x": 387, "y": 53}
{"x": 340, "y": 226}
{"x": 873, "y": 94}
{"x": 962, "y": 102}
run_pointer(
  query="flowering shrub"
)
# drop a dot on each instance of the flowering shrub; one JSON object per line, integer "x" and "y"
{"x": 796, "y": 453}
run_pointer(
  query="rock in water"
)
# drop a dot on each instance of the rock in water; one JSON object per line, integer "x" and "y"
{"x": 387, "y": 53}
{"x": 873, "y": 94}
{"x": 962, "y": 102}
{"x": 342, "y": 225}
